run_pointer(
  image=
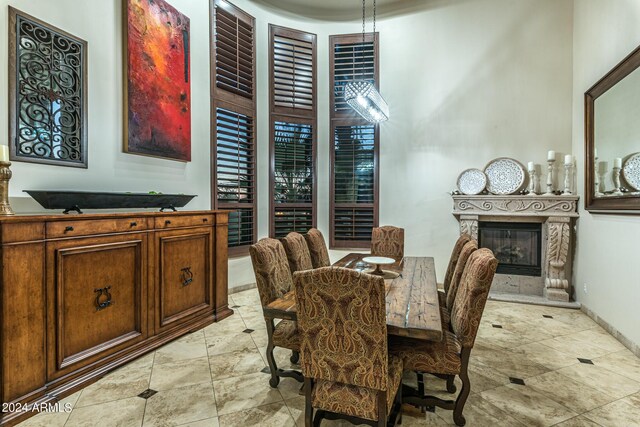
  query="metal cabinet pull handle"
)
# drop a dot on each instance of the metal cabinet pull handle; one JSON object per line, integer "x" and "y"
{"x": 167, "y": 222}
{"x": 134, "y": 224}
{"x": 186, "y": 276}
{"x": 68, "y": 228}
{"x": 205, "y": 220}
{"x": 103, "y": 298}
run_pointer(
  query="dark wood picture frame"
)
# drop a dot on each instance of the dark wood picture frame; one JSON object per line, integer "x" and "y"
{"x": 609, "y": 204}
{"x": 14, "y": 126}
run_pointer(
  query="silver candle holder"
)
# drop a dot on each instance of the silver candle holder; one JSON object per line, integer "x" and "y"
{"x": 550, "y": 178}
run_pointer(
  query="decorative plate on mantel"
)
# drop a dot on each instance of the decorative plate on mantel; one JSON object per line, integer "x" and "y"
{"x": 472, "y": 182}
{"x": 631, "y": 171}
{"x": 505, "y": 176}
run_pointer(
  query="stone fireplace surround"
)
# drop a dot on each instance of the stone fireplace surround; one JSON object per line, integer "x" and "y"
{"x": 557, "y": 214}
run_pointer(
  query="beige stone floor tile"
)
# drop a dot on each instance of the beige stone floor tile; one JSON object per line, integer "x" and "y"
{"x": 192, "y": 346}
{"x": 128, "y": 381}
{"x": 230, "y": 325}
{"x": 575, "y": 348}
{"x": 282, "y": 357}
{"x": 623, "y": 412}
{"x": 54, "y": 419}
{"x": 572, "y": 394}
{"x": 272, "y": 415}
{"x": 576, "y": 318}
{"x": 622, "y": 362}
{"x": 511, "y": 364}
{"x": 181, "y": 405}
{"x": 527, "y": 405}
{"x": 180, "y": 374}
{"x": 290, "y": 388}
{"x": 501, "y": 338}
{"x": 579, "y": 421}
{"x": 476, "y": 400}
{"x": 602, "y": 379}
{"x": 236, "y": 363}
{"x": 246, "y": 298}
{"x": 244, "y": 392}
{"x": 524, "y": 329}
{"x": 119, "y": 413}
{"x": 229, "y": 342}
{"x": 211, "y": 422}
{"x": 554, "y": 326}
{"x": 254, "y": 321}
{"x": 260, "y": 337}
{"x": 545, "y": 355}
{"x": 599, "y": 338}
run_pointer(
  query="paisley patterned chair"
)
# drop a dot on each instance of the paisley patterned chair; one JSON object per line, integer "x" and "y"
{"x": 451, "y": 355}
{"x": 453, "y": 262}
{"x": 388, "y": 241}
{"x": 343, "y": 352}
{"x": 295, "y": 246}
{"x": 317, "y": 248}
{"x": 273, "y": 278}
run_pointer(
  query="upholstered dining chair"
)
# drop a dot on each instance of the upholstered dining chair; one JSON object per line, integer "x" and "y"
{"x": 347, "y": 370}
{"x": 453, "y": 262}
{"x": 388, "y": 241}
{"x": 451, "y": 355}
{"x": 317, "y": 248}
{"x": 273, "y": 279}
{"x": 295, "y": 246}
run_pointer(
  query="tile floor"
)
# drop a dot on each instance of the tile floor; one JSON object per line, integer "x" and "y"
{"x": 531, "y": 366}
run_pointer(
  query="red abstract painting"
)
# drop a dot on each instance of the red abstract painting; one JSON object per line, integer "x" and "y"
{"x": 158, "y": 96}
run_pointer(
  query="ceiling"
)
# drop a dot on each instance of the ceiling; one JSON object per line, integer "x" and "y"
{"x": 348, "y": 10}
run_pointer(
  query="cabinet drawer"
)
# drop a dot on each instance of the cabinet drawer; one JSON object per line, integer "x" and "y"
{"x": 184, "y": 276}
{"x": 183, "y": 221}
{"x": 98, "y": 304}
{"x": 90, "y": 227}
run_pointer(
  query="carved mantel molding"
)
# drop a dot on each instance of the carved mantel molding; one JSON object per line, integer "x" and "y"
{"x": 557, "y": 213}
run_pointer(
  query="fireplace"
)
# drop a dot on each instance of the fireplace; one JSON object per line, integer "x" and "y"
{"x": 517, "y": 246}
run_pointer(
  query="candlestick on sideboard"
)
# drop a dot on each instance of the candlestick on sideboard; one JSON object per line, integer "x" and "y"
{"x": 5, "y": 176}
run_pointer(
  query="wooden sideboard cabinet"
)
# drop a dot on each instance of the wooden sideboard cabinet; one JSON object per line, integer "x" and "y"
{"x": 83, "y": 294}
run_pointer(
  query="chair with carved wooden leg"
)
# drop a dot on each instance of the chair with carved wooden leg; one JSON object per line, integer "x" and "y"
{"x": 451, "y": 355}
{"x": 274, "y": 280}
{"x": 347, "y": 370}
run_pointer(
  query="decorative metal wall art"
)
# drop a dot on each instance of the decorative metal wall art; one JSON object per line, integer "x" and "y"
{"x": 47, "y": 93}
{"x": 158, "y": 89}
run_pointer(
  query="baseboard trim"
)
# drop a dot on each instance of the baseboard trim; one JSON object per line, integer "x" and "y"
{"x": 633, "y": 347}
{"x": 241, "y": 288}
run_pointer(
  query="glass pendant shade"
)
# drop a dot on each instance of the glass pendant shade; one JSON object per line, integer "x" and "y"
{"x": 365, "y": 99}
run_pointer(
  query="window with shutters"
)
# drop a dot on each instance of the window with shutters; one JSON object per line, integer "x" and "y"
{"x": 293, "y": 131}
{"x": 233, "y": 107}
{"x": 354, "y": 145}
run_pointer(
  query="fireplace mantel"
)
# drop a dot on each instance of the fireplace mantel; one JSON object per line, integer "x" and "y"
{"x": 556, "y": 213}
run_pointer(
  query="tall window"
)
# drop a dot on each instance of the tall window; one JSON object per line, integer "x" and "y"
{"x": 233, "y": 108}
{"x": 293, "y": 131}
{"x": 354, "y": 145}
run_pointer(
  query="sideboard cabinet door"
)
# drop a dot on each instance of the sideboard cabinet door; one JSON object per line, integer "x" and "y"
{"x": 184, "y": 276}
{"x": 97, "y": 301}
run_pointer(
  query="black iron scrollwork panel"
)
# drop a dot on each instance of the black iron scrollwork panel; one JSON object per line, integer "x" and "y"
{"x": 48, "y": 94}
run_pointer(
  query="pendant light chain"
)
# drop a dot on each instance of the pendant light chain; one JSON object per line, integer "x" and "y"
{"x": 374, "y": 18}
{"x": 362, "y": 68}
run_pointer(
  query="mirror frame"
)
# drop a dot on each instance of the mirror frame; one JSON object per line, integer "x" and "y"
{"x": 611, "y": 204}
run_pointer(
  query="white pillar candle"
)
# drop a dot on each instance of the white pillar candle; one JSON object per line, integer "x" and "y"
{"x": 595, "y": 153}
{"x": 617, "y": 162}
{"x": 530, "y": 166}
{"x": 4, "y": 153}
{"x": 551, "y": 155}
{"x": 568, "y": 159}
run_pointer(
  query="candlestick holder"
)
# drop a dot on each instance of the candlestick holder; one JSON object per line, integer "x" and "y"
{"x": 5, "y": 176}
{"x": 532, "y": 182}
{"x": 550, "y": 178}
{"x": 617, "y": 191}
{"x": 568, "y": 177}
{"x": 596, "y": 179}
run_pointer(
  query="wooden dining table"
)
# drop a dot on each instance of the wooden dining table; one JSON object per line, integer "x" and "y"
{"x": 411, "y": 297}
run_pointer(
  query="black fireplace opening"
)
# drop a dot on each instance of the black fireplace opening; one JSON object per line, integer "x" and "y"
{"x": 517, "y": 246}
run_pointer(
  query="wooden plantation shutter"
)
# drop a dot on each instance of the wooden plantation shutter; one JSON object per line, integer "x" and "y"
{"x": 293, "y": 131}
{"x": 354, "y": 145}
{"x": 233, "y": 108}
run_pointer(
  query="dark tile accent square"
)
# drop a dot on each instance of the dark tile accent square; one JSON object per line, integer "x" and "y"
{"x": 235, "y": 306}
{"x": 518, "y": 381}
{"x": 248, "y": 331}
{"x": 497, "y": 326}
{"x": 547, "y": 316}
{"x": 266, "y": 370}
{"x": 586, "y": 361}
{"x": 147, "y": 393}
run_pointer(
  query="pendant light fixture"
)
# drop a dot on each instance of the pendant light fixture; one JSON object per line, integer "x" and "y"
{"x": 362, "y": 95}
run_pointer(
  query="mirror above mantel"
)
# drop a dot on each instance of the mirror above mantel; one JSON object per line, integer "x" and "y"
{"x": 612, "y": 140}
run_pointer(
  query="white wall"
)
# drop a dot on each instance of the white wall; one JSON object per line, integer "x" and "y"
{"x": 99, "y": 22}
{"x": 605, "y": 32}
{"x": 466, "y": 82}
